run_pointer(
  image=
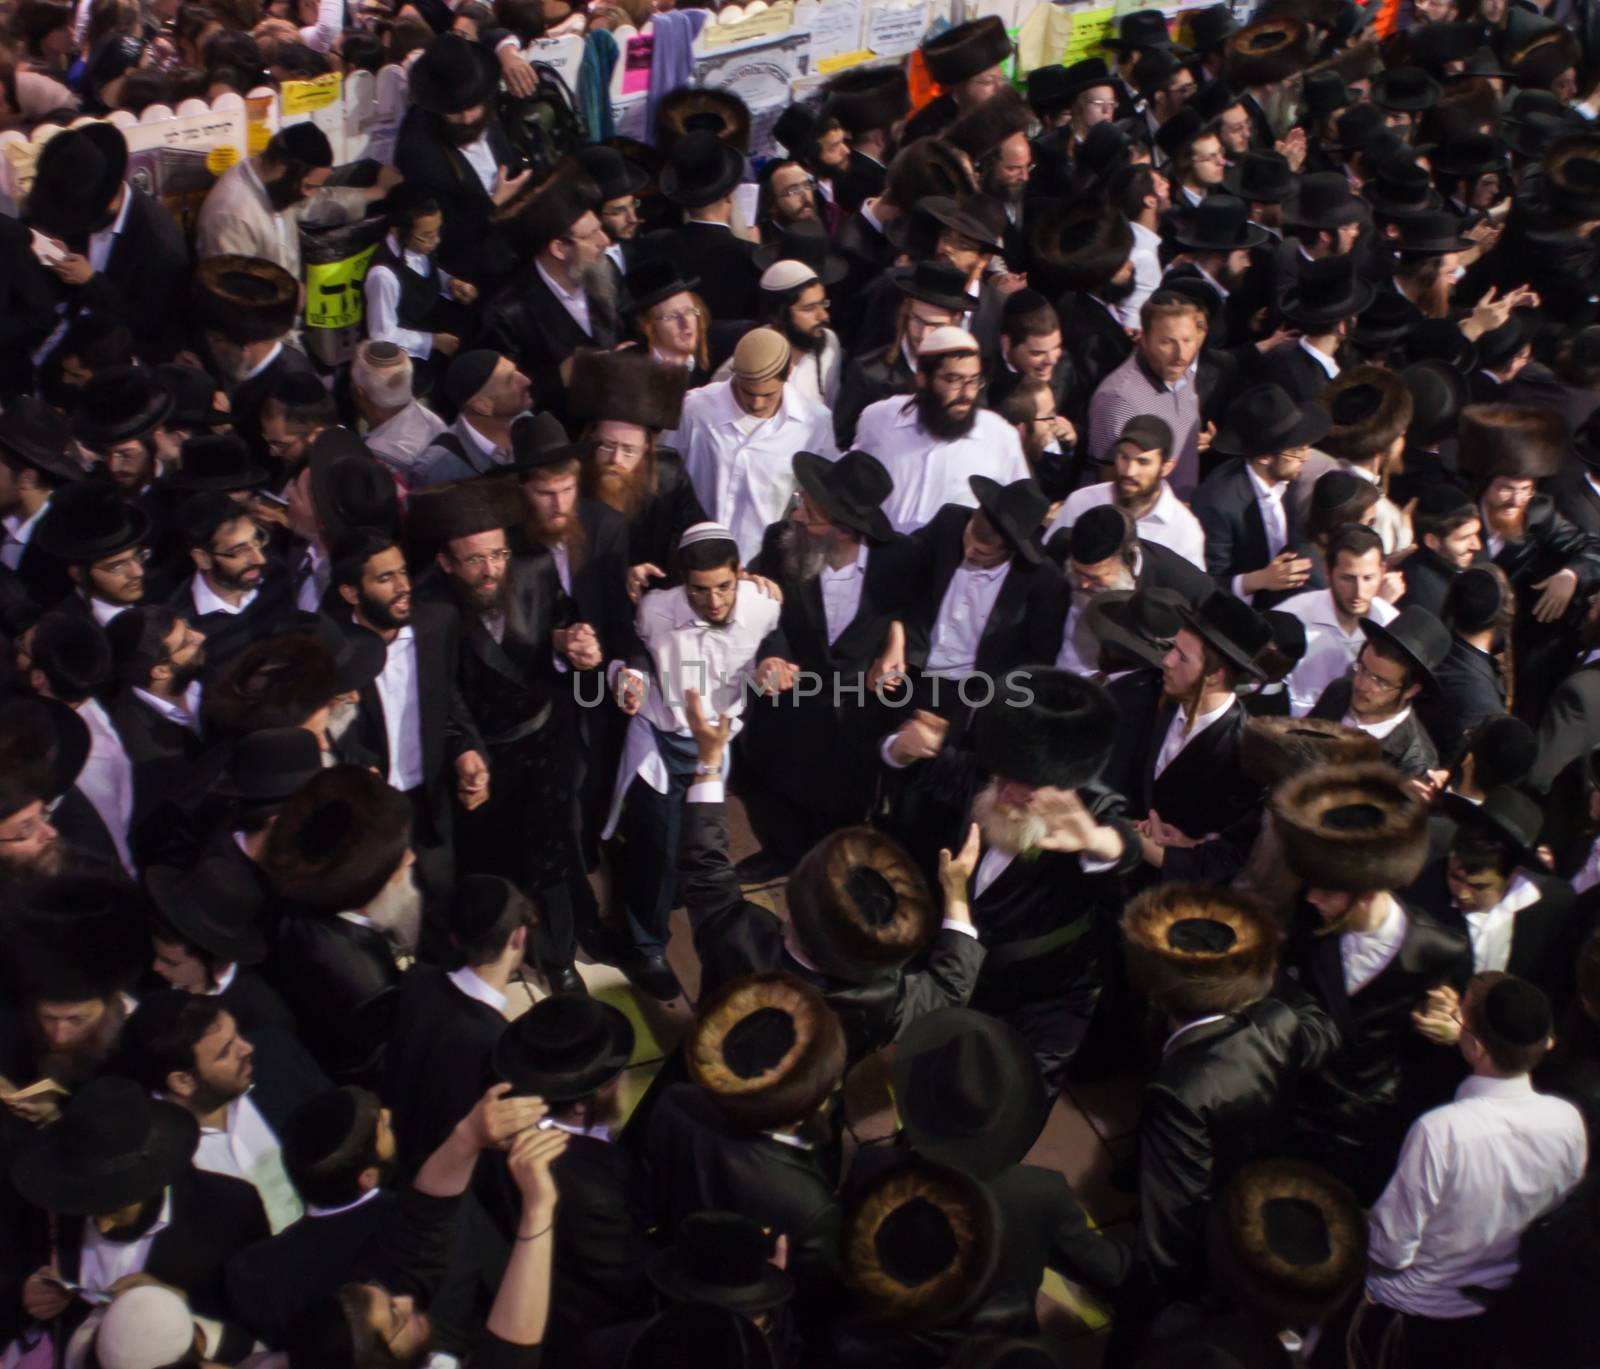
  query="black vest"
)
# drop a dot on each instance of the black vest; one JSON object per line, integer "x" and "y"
{"x": 418, "y": 293}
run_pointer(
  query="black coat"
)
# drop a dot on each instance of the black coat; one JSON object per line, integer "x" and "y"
{"x": 735, "y": 937}
{"x": 599, "y": 588}
{"x": 437, "y": 1064}
{"x": 246, "y": 399}
{"x": 1568, "y": 730}
{"x": 472, "y": 248}
{"x": 1468, "y": 692}
{"x": 227, "y": 634}
{"x": 1204, "y": 789}
{"x": 868, "y": 254}
{"x": 527, "y": 323}
{"x": 163, "y": 754}
{"x": 27, "y": 307}
{"x": 696, "y": 1162}
{"x": 1098, "y": 344}
{"x": 272, "y": 1283}
{"x": 1236, "y": 538}
{"x": 145, "y": 283}
{"x": 338, "y": 979}
{"x": 1355, "y": 1110}
{"x": 656, "y": 525}
{"x": 725, "y": 265}
{"x": 860, "y": 181}
{"x": 1545, "y": 936}
{"x": 868, "y": 379}
{"x": 1223, "y": 1095}
{"x": 1428, "y": 576}
{"x": 1289, "y": 366}
{"x": 1575, "y": 498}
{"x": 1408, "y": 748}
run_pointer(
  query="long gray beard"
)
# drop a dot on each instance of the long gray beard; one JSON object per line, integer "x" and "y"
{"x": 1020, "y": 833}
{"x": 397, "y": 913}
{"x": 802, "y": 556}
{"x": 600, "y": 284}
{"x": 340, "y": 718}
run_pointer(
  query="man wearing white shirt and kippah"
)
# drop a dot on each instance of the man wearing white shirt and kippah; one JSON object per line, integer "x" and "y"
{"x": 933, "y": 442}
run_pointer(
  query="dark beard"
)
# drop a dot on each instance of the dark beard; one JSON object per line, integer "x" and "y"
{"x": 459, "y": 135}
{"x": 812, "y": 344}
{"x": 379, "y": 615}
{"x": 77, "y": 1064}
{"x": 1114, "y": 293}
{"x": 802, "y": 556}
{"x": 183, "y": 677}
{"x": 284, "y": 193}
{"x": 937, "y": 421}
{"x": 473, "y": 600}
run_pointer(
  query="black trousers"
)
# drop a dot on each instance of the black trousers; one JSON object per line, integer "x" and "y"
{"x": 651, "y": 829}
{"x": 1382, "y": 1338}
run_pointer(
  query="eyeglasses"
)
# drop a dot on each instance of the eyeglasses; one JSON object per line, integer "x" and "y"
{"x": 1377, "y": 681}
{"x": 124, "y": 565}
{"x": 484, "y": 559}
{"x": 1099, "y": 104}
{"x": 1046, "y": 418}
{"x": 961, "y": 384}
{"x": 625, "y": 451}
{"x": 682, "y": 317}
{"x": 798, "y": 188}
{"x": 243, "y": 549}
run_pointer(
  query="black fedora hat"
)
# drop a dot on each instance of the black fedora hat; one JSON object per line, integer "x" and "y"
{"x": 350, "y": 488}
{"x": 1439, "y": 339}
{"x": 1415, "y": 634}
{"x": 1586, "y": 441}
{"x": 651, "y": 280}
{"x": 114, "y": 1146}
{"x": 36, "y": 434}
{"x": 1323, "y": 93}
{"x": 89, "y": 522}
{"x": 722, "y": 1259}
{"x": 1232, "y": 628}
{"x": 1515, "y": 818}
{"x": 1323, "y": 200}
{"x": 217, "y": 461}
{"x": 1015, "y": 511}
{"x": 979, "y": 217}
{"x": 701, "y": 170}
{"x": 539, "y": 441}
{"x": 1137, "y": 625}
{"x": 1084, "y": 74}
{"x": 1431, "y": 233}
{"x": 357, "y": 653}
{"x": 850, "y": 490}
{"x": 215, "y": 906}
{"x": 1358, "y": 128}
{"x": 920, "y": 1244}
{"x": 564, "y": 1048}
{"x": 933, "y": 282}
{"x": 119, "y": 404}
{"x": 1400, "y": 188}
{"x": 1219, "y": 223}
{"x": 968, "y": 1090}
{"x": 1265, "y": 419}
{"x": 452, "y": 75}
{"x": 615, "y": 175}
{"x": 1407, "y": 90}
{"x": 1530, "y": 135}
{"x": 1142, "y": 29}
{"x": 1179, "y": 130}
{"x": 1325, "y": 291}
{"x": 1439, "y": 392}
{"x": 194, "y": 395}
{"x": 1212, "y": 100}
{"x": 1469, "y": 156}
{"x": 1572, "y": 175}
{"x": 268, "y": 765}
{"x": 45, "y": 738}
{"x": 1211, "y": 27}
{"x": 77, "y": 175}
{"x": 805, "y": 242}
{"x": 1049, "y": 91}
{"x": 1260, "y": 178}
{"x": 1386, "y": 320}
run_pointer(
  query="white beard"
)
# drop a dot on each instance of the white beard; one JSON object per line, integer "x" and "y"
{"x": 397, "y": 912}
{"x": 1009, "y": 829}
{"x": 340, "y": 717}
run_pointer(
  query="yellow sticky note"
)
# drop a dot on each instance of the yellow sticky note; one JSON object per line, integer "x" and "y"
{"x": 221, "y": 157}
{"x": 306, "y": 97}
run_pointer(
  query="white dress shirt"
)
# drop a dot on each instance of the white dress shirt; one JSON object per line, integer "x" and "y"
{"x": 1472, "y": 1176}
{"x": 1269, "y": 499}
{"x": 1491, "y": 930}
{"x": 402, "y": 711}
{"x": 248, "y": 1150}
{"x": 18, "y": 531}
{"x": 382, "y": 289}
{"x": 1330, "y": 650}
{"x": 1378, "y": 730}
{"x": 319, "y": 571}
{"x": 575, "y": 302}
{"x": 1589, "y": 876}
{"x": 1177, "y": 737}
{"x": 929, "y": 473}
{"x": 184, "y": 714}
{"x": 968, "y": 601}
{"x": 1167, "y": 522}
{"x": 102, "y": 241}
{"x": 1146, "y": 275}
{"x": 106, "y": 779}
{"x": 1330, "y": 367}
{"x": 742, "y": 469}
{"x": 104, "y": 1261}
{"x": 471, "y": 983}
{"x": 104, "y": 611}
{"x": 841, "y": 592}
{"x": 1366, "y": 955}
{"x": 480, "y": 156}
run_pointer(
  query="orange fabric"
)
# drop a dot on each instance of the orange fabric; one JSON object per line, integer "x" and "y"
{"x": 923, "y": 87}
{"x": 1388, "y": 17}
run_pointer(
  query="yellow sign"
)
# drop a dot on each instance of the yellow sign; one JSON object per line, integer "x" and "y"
{"x": 1089, "y": 28}
{"x": 221, "y": 157}
{"x": 334, "y": 297}
{"x": 306, "y": 97}
{"x": 840, "y": 61}
{"x": 257, "y": 138}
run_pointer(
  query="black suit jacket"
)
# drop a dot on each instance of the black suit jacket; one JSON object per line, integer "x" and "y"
{"x": 1544, "y": 936}
{"x": 145, "y": 282}
{"x": 338, "y": 978}
{"x": 1098, "y": 344}
{"x": 472, "y": 247}
{"x": 1408, "y": 748}
{"x": 437, "y": 1064}
{"x": 868, "y": 254}
{"x": 725, "y": 264}
{"x": 599, "y": 588}
{"x": 1204, "y": 789}
{"x": 1469, "y": 692}
{"x": 1575, "y": 497}
{"x": 1428, "y": 576}
{"x": 27, "y": 307}
{"x": 658, "y": 523}
{"x": 866, "y": 380}
{"x": 227, "y": 634}
{"x": 1289, "y": 366}
{"x": 1025, "y": 624}
{"x": 860, "y": 181}
{"x": 246, "y": 399}
{"x": 735, "y": 937}
{"x": 527, "y": 323}
{"x": 1236, "y": 538}
{"x": 164, "y": 755}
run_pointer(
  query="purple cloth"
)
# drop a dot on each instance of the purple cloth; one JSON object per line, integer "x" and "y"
{"x": 671, "y": 58}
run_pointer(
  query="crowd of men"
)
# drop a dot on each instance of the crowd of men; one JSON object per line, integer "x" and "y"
{"x": 1128, "y": 537}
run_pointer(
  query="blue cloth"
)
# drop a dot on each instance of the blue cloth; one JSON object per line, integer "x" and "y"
{"x": 671, "y": 58}
{"x": 594, "y": 83}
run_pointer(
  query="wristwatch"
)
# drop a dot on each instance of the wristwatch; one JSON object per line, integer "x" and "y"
{"x": 704, "y": 771}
